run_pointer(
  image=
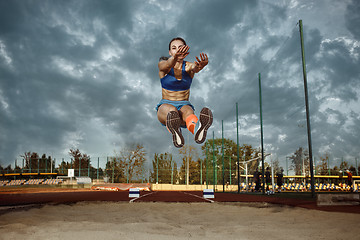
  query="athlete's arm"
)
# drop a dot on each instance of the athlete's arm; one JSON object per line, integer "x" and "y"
{"x": 166, "y": 65}
{"x": 198, "y": 65}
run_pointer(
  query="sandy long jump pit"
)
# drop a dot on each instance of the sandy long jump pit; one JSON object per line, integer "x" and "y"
{"x": 171, "y": 220}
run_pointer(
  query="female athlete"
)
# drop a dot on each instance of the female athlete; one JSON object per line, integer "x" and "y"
{"x": 175, "y": 110}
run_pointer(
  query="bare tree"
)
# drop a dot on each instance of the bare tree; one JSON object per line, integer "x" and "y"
{"x": 300, "y": 162}
{"x": 129, "y": 163}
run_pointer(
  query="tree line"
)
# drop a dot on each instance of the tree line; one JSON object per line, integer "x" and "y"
{"x": 217, "y": 164}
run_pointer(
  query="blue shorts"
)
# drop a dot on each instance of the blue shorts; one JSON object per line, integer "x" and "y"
{"x": 177, "y": 104}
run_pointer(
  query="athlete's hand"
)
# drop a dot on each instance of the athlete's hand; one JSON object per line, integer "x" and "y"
{"x": 202, "y": 62}
{"x": 182, "y": 52}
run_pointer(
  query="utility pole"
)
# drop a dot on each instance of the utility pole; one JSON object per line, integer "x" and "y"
{"x": 307, "y": 109}
{"x": 237, "y": 148}
{"x": 287, "y": 169}
{"x": 97, "y": 171}
{"x": 230, "y": 170}
{"x": 187, "y": 148}
{"x": 222, "y": 149}
{"x": 214, "y": 164}
{"x": 172, "y": 170}
{"x": 207, "y": 179}
{"x": 262, "y": 137}
{"x": 157, "y": 169}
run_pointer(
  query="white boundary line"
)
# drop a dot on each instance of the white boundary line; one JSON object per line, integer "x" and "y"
{"x": 134, "y": 199}
{"x": 199, "y": 197}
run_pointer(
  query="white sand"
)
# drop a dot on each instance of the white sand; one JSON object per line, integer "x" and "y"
{"x": 108, "y": 220}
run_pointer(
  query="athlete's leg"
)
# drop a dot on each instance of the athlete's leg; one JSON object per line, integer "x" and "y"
{"x": 188, "y": 117}
{"x": 163, "y": 111}
{"x": 172, "y": 121}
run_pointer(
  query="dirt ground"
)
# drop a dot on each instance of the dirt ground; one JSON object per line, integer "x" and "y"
{"x": 69, "y": 214}
{"x": 149, "y": 220}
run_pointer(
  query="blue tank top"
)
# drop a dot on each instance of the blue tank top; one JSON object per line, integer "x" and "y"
{"x": 169, "y": 82}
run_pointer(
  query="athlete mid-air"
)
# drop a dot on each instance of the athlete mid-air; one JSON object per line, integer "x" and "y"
{"x": 175, "y": 110}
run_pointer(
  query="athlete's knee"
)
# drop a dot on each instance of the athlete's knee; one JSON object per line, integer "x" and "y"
{"x": 167, "y": 108}
{"x": 186, "y": 111}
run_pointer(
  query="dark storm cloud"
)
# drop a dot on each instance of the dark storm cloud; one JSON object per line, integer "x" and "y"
{"x": 208, "y": 23}
{"x": 353, "y": 19}
{"x": 339, "y": 57}
{"x": 34, "y": 84}
{"x": 85, "y": 67}
{"x": 283, "y": 93}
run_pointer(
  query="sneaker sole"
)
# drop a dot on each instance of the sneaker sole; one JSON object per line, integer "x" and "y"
{"x": 173, "y": 124}
{"x": 206, "y": 119}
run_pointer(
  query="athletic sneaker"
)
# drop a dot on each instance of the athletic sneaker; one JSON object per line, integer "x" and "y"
{"x": 173, "y": 124}
{"x": 205, "y": 121}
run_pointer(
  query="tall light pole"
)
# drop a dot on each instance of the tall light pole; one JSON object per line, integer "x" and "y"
{"x": 262, "y": 137}
{"x": 307, "y": 109}
{"x": 237, "y": 147}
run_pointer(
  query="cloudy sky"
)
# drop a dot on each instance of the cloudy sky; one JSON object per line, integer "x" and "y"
{"x": 83, "y": 74}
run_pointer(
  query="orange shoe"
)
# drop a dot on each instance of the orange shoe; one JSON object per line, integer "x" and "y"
{"x": 191, "y": 123}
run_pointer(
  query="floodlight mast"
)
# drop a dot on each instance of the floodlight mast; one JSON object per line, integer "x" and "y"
{"x": 262, "y": 135}
{"x": 307, "y": 110}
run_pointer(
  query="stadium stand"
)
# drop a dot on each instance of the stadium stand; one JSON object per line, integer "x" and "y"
{"x": 286, "y": 187}
{"x": 52, "y": 181}
{"x": 34, "y": 182}
{"x": 3, "y": 182}
{"x": 16, "y": 182}
{"x": 30, "y": 182}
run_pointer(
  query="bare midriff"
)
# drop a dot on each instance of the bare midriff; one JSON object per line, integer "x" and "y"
{"x": 176, "y": 95}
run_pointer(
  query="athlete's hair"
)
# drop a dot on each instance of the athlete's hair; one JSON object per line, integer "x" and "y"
{"x": 163, "y": 58}
{"x": 177, "y": 38}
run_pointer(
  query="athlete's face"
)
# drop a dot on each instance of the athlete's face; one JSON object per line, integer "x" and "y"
{"x": 174, "y": 46}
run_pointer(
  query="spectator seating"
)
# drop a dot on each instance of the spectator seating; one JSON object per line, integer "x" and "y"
{"x": 286, "y": 187}
{"x": 16, "y": 182}
{"x": 30, "y": 182}
{"x": 52, "y": 181}
{"x": 34, "y": 181}
{"x": 3, "y": 182}
{"x": 321, "y": 187}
